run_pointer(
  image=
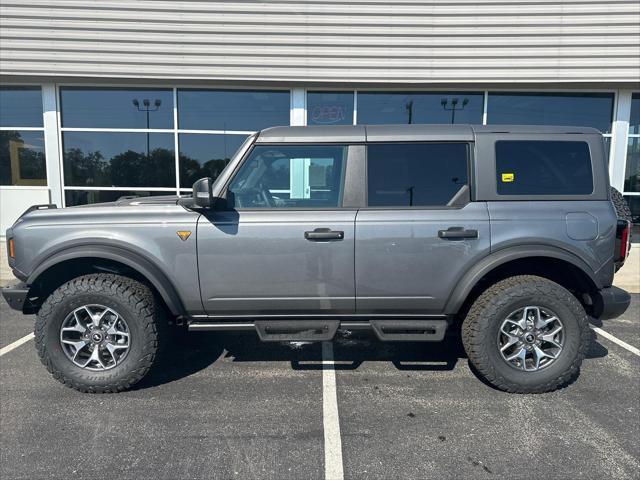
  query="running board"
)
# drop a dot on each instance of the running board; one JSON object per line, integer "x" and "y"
{"x": 428, "y": 330}
{"x": 409, "y": 330}
{"x": 296, "y": 330}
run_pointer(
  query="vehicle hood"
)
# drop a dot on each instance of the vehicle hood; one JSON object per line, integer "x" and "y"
{"x": 125, "y": 209}
{"x": 136, "y": 201}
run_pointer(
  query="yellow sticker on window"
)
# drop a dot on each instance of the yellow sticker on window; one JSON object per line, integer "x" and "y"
{"x": 508, "y": 177}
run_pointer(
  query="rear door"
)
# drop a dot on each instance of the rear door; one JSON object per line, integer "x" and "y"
{"x": 419, "y": 231}
{"x": 284, "y": 244}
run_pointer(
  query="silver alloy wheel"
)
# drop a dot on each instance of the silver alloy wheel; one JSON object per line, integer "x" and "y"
{"x": 531, "y": 338}
{"x": 95, "y": 337}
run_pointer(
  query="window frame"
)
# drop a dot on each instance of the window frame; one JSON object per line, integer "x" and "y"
{"x": 470, "y": 177}
{"x": 47, "y": 181}
{"x": 552, "y": 93}
{"x": 176, "y": 131}
{"x": 626, "y": 139}
{"x": 485, "y": 166}
{"x": 443, "y": 93}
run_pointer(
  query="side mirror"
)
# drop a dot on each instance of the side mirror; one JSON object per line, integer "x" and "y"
{"x": 202, "y": 197}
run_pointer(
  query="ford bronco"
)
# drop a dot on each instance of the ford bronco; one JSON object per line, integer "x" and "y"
{"x": 506, "y": 234}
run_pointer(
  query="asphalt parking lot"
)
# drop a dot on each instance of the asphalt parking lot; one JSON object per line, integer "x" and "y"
{"x": 227, "y": 406}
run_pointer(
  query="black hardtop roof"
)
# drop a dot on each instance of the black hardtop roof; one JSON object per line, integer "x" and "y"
{"x": 406, "y": 133}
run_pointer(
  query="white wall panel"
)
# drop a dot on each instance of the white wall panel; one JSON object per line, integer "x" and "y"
{"x": 338, "y": 41}
{"x": 15, "y": 200}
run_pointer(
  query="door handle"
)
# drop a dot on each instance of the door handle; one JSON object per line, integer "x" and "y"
{"x": 324, "y": 234}
{"x": 457, "y": 232}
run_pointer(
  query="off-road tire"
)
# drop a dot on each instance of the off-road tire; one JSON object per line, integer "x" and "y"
{"x": 482, "y": 323}
{"x": 135, "y": 301}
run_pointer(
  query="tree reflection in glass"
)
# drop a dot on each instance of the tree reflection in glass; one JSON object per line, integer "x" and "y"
{"x": 22, "y": 158}
{"x": 115, "y": 159}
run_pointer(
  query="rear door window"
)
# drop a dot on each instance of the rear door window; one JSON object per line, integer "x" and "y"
{"x": 541, "y": 167}
{"x": 415, "y": 174}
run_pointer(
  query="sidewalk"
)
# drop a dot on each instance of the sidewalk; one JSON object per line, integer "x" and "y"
{"x": 628, "y": 277}
{"x": 5, "y": 272}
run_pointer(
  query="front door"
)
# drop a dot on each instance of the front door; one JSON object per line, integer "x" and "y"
{"x": 283, "y": 245}
{"x": 419, "y": 231}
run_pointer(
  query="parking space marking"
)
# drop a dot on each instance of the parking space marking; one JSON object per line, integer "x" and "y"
{"x": 616, "y": 340}
{"x": 333, "y": 469}
{"x": 16, "y": 344}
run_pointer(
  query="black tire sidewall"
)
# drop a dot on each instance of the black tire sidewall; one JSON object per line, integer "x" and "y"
{"x": 572, "y": 338}
{"x": 73, "y": 371}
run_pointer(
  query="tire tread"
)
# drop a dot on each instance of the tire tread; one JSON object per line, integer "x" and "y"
{"x": 494, "y": 299}
{"x": 142, "y": 302}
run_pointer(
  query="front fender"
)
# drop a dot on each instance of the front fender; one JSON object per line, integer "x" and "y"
{"x": 135, "y": 260}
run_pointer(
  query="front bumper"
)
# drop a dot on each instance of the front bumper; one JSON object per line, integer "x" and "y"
{"x": 16, "y": 295}
{"x": 611, "y": 302}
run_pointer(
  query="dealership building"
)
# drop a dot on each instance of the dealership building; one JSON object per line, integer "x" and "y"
{"x": 102, "y": 99}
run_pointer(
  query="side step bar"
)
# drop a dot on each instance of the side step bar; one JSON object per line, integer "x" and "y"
{"x": 409, "y": 330}
{"x": 296, "y": 330}
{"x": 431, "y": 330}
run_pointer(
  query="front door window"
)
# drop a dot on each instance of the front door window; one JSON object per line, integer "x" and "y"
{"x": 292, "y": 176}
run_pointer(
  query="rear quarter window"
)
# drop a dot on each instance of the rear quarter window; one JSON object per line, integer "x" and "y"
{"x": 541, "y": 167}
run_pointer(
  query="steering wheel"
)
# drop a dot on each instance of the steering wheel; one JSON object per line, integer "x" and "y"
{"x": 247, "y": 197}
{"x": 267, "y": 197}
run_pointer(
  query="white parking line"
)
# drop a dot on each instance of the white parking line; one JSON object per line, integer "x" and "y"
{"x": 16, "y": 344}
{"x": 333, "y": 469}
{"x": 608, "y": 336}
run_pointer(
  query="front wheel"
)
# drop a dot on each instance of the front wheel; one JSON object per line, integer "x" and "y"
{"x": 99, "y": 333}
{"x": 526, "y": 334}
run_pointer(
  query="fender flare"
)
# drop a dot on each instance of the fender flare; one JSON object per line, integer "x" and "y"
{"x": 472, "y": 276}
{"x": 134, "y": 260}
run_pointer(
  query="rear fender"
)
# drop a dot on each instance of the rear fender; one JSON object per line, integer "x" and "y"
{"x": 471, "y": 278}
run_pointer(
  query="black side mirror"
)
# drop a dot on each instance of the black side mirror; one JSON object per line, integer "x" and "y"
{"x": 202, "y": 197}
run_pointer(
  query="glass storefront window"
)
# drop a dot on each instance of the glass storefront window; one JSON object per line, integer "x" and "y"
{"x": 84, "y": 197}
{"x": 20, "y": 107}
{"x": 117, "y": 159}
{"x": 329, "y": 108}
{"x": 22, "y": 158}
{"x": 570, "y": 109}
{"x": 634, "y": 206}
{"x": 240, "y": 110}
{"x": 22, "y": 152}
{"x": 205, "y": 155}
{"x": 632, "y": 168}
{"x": 375, "y": 108}
{"x": 91, "y": 107}
{"x": 634, "y": 121}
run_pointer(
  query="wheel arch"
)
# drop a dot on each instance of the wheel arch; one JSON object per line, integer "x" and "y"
{"x": 74, "y": 261}
{"x": 548, "y": 262}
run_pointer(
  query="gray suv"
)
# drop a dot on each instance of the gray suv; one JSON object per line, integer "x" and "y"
{"x": 505, "y": 234}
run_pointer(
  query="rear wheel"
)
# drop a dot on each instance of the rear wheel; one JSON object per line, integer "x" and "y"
{"x": 99, "y": 333}
{"x": 526, "y": 334}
